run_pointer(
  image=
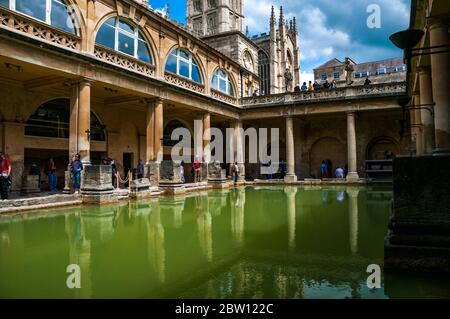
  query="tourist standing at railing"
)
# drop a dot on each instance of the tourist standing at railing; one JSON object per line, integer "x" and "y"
{"x": 140, "y": 170}
{"x": 197, "y": 167}
{"x": 323, "y": 170}
{"x": 333, "y": 84}
{"x": 316, "y": 85}
{"x": 304, "y": 87}
{"x": 235, "y": 172}
{"x": 5, "y": 172}
{"x": 326, "y": 85}
{"x": 310, "y": 87}
{"x": 367, "y": 81}
{"x": 50, "y": 170}
{"x": 297, "y": 88}
{"x": 75, "y": 169}
{"x": 114, "y": 172}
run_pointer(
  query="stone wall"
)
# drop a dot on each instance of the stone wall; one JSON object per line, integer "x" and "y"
{"x": 419, "y": 229}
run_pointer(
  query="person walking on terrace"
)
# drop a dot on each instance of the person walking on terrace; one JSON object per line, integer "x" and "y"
{"x": 50, "y": 170}
{"x": 75, "y": 169}
{"x": 5, "y": 172}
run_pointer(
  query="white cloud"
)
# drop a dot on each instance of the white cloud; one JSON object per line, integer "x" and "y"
{"x": 306, "y": 76}
{"x": 333, "y": 29}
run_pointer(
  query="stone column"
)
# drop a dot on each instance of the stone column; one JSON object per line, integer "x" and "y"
{"x": 80, "y": 120}
{"x": 440, "y": 66}
{"x": 426, "y": 101}
{"x": 292, "y": 217}
{"x": 353, "y": 218}
{"x": 154, "y": 134}
{"x": 159, "y": 128}
{"x": 239, "y": 145}
{"x": 290, "y": 152}
{"x": 417, "y": 128}
{"x": 13, "y": 147}
{"x": 206, "y": 138}
{"x": 150, "y": 134}
{"x": 352, "y": 173}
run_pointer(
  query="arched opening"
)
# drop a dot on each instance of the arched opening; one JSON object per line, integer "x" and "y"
{"x": 381, "y": 148}
{"x": 182, "y": 63}
{"x": 52, "y": 119}
{"x": 46, "y": 136}
{"x": 327, "y": 149}
{"x": 56, "y": 13}
{"x": 264, "y": 72}
{"x": 121, "y": 36}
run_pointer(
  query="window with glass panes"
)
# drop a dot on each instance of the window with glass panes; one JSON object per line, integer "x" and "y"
{"x": 53, "y": 12}
{"x": 182, "y": 63}
{"x": 119, "y": 35}
{"x": 221, "y": 82}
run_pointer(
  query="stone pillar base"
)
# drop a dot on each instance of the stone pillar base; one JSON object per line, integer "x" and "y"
{"x": 170, "y": 178}
{"x": 30, "y": 184}
{"x": 352, "y": 177}
{"x": 96, "y": 185}
{"x": 152, "y": 173}
{"x": 290, "y": 178}
{"x": 67, "y": 183}
{"x": 217, "y": 176}
{"x": 141, "y": 188}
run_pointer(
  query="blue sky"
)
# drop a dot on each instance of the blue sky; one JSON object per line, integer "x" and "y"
{"x": 327, "y": 28}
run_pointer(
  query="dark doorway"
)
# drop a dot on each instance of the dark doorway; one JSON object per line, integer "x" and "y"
{"x": 127, "y": 163}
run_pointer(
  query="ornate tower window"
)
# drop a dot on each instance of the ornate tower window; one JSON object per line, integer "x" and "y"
{"x": 183, "y": 63}
{"x": 198, "y": 5}
{"x": 212, "y": 23}
{"x": 264, "y": 72}
{"x": 118, "y": 35}
{"x": 53, "y": 12}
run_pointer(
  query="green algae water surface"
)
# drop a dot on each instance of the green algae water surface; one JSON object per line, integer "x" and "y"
{"x": 254, "y": 242}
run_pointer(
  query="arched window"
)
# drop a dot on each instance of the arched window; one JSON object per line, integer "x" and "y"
{"x": 221, "y": 82}
{"x": 53, "y": 12}
{"x": 118, "y": 35}
{"x": 52, "y": 119}
{"x": 264, "y": 72}
{"x": 183, "y": 63}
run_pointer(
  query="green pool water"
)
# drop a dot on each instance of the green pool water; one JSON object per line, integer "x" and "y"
{"x": 254, "y": 242}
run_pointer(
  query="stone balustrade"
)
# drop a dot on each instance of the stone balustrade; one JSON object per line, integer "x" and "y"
{"x": 184, "y": 83}
{"x": 30, "y": 27}
{"x": 324, "y": 95}
{"x": 121, "y": 60}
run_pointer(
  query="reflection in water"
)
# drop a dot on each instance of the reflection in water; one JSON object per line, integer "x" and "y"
{"x": 353, "y": 217}
{"x": 292, "y": 218}
{"x": 237, "y": 214}
{"x": 204, "y": 225}
{"x": 79, "y": 253}
{"x": 174, "y": 205}
{"x": 292, "y": 246}
{"x": 155, "y": 242}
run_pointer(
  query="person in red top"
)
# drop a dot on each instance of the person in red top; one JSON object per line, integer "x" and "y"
{"x": 197, "y": 166}
{"x": 5, "y": 171}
